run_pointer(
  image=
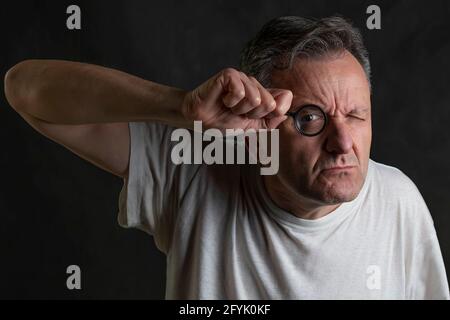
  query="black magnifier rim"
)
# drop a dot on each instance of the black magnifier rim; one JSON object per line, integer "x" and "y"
{"x": 293, "y": 114}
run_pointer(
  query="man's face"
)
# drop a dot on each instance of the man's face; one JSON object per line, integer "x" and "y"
{"x": 339, "y": 86}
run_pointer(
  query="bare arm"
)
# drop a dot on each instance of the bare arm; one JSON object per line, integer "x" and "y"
{"x": 66, "y": 92}
{"x": 87, "y": 108}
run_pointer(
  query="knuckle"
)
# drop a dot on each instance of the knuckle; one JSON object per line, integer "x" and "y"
{"x": 271, "y": 106}
{"x": 243, "y": 76}
{"x": 278, "y": 111}
{"x": 289, "y": 93}
{"x": 256, "y": 101}
{"x": 239, "y": 93}
{"x": 229, "y": 72}
{"x": 254, "y": 80}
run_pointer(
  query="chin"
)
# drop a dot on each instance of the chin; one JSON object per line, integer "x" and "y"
{"x": 335, "y": 196}
{"x": 338, "y": 189}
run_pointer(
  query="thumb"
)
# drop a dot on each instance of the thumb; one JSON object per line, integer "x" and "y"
{"x": 276, "y": 121}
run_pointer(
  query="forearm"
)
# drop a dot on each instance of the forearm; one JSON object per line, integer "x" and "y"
{"x": 77, "y": 93}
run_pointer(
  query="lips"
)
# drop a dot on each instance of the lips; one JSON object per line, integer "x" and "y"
{"x": 332, "y": 169}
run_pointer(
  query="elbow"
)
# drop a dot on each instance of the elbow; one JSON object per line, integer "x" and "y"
{"x": 16, "y": 86}
{"x": 10, "y": 83}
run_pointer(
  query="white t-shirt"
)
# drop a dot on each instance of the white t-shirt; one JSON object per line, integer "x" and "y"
{"x": 225, "y": 238}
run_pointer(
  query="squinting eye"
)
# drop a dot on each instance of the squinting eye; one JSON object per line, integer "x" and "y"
{"x": 357, "y": 118}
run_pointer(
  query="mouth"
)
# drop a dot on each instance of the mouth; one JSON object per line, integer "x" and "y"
{"x": 338, "y": 169}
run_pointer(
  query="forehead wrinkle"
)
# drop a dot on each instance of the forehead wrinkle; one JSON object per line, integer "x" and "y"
{"x": 332, "y": 96}
{"x": 309, "y": 88}
{"x": 312, "y": 82}
{"x": 348, "y": 100}
{"x": 341, "y": 97}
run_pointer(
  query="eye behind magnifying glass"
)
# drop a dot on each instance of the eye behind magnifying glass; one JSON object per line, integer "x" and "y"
{"x": 310, "y": 120}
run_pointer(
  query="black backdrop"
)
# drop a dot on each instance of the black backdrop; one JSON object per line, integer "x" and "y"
{"x": 57, "y": 210}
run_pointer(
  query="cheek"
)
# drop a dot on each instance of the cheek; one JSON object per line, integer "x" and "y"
{"x": 297, "y": 156}
{"x": 363, "y": 141}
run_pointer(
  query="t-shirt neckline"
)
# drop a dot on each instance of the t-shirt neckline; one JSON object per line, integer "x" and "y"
{"x": 284, "y": 217}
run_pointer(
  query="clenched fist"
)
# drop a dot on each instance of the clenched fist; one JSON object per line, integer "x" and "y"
{"x": 233, "y": 100}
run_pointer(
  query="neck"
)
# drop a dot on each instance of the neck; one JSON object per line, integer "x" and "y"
{"x": 294, "y": 203}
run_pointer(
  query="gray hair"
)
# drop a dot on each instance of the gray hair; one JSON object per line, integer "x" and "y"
{"x": 283, "y": 39}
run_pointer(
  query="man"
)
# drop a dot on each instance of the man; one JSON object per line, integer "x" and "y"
{"x": 331, "y": 224}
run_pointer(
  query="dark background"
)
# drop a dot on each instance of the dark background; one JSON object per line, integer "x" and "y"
{"x": 57, "y": 210}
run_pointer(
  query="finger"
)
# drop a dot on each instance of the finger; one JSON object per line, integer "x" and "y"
{"x": 252, "y": 93}
{"x": 283, "y": 100}
{"x": 252, "y": 97}
{"x": 267, "y": 105}
{"x": 213, "y": 88}
{"x": 234, "y": 89}
{"x": 243, "y": 107}
{"x": 275, "y": 122}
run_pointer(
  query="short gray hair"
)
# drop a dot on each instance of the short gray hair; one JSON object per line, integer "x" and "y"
{"x": 283, "y": 39}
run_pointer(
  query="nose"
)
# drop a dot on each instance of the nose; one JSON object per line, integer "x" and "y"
{"x": 339, "y": 138}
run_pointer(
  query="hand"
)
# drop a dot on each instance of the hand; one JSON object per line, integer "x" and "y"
{"x": 233, "y": 100}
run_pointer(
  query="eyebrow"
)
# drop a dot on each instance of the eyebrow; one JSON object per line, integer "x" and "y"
{"x": 359, "y": 110}
{"x": 355, "y": 110}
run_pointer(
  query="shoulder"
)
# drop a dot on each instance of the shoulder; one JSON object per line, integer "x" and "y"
{"x": 393, "y": 182}
{"x": 394, "y": 191}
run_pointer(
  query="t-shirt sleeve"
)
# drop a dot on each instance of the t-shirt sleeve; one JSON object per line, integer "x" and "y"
{"x": 425, "y": 270}
{"x": 427, "y": 276}
{"x": 149, "y": 197}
